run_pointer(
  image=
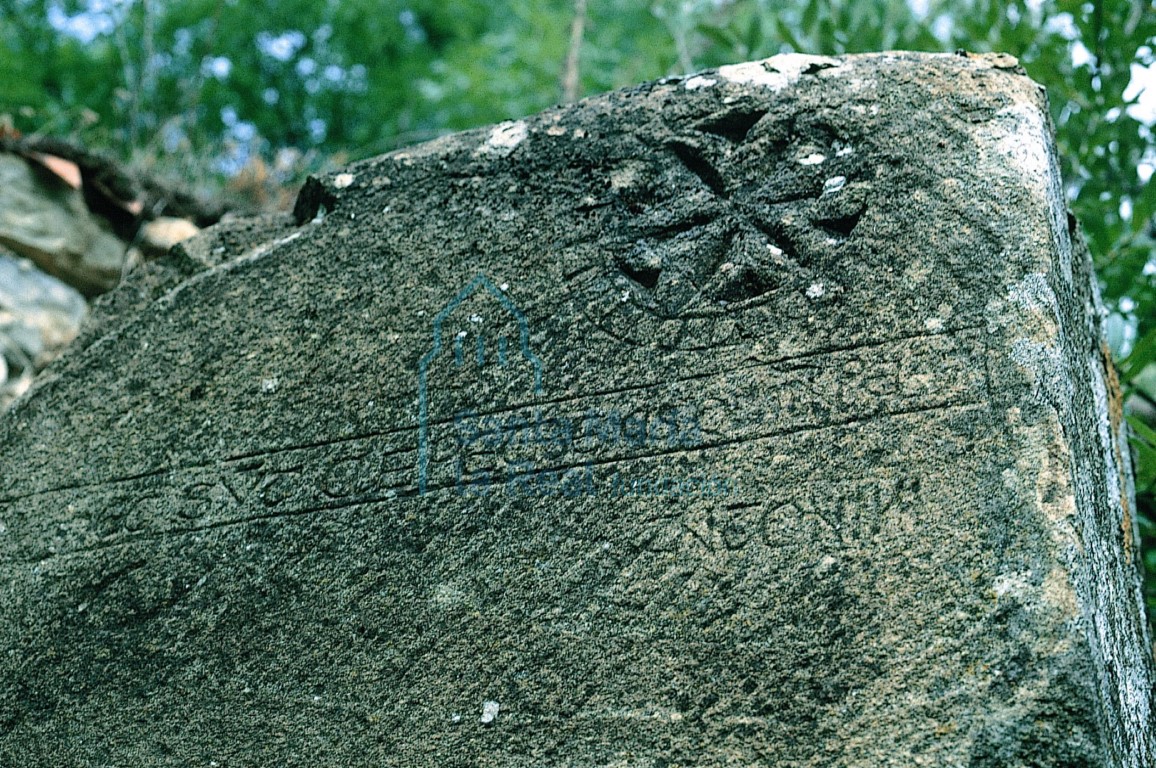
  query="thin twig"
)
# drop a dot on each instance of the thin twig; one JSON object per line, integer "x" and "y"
{"x": 148, "y": 67}
{"x": 570, "y": 77}
{"x": 131, "y": 83}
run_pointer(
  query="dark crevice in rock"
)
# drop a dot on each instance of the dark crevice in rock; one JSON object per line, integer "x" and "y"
{"x": 314, "y": 196}
{"x": 692, "y": 157}
{"x": 732, "y": 126}
{"x": 816, "y": 66}
{"x": 646, "y": 276}
{"x": 782, "y": 239}
{"x": 745, "y": 282}
{"x": 842, "y": 225}
{"x": 692, "y": 222}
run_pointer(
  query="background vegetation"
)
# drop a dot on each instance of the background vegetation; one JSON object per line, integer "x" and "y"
{"x": 250, "y": 94}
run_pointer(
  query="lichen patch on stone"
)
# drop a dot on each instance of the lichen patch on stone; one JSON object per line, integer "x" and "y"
{"x": 777, "y": 72}
{"x": 504, "y": 137}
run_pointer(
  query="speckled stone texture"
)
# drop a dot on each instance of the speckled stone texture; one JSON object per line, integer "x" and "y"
{"x": 758, "y": 417}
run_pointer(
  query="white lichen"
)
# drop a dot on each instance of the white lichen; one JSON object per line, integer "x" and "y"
{"x": 777, "y": 72}
{"x": 1040, "y": 349}
{"x": 504, "y": 137}
{"x": 834, "y": 184}
{"x": 1017, "y": 584}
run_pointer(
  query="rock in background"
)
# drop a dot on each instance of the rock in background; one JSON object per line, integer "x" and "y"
{"x": 72, "y": 223}
{"x": 758, "y": 417}
{"x": 44, "y": 218}
{"x": 39, "y": 317}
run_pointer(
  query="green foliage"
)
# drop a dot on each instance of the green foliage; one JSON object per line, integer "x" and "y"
{"x": 237, "y": 80}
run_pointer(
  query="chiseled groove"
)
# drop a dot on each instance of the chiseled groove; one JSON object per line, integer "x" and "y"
{"x": 260, "y": 453}
{"x": 401, "y": 492}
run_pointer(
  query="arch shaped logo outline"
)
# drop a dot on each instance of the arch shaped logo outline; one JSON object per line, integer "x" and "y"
{"x": 479, "y": 282}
